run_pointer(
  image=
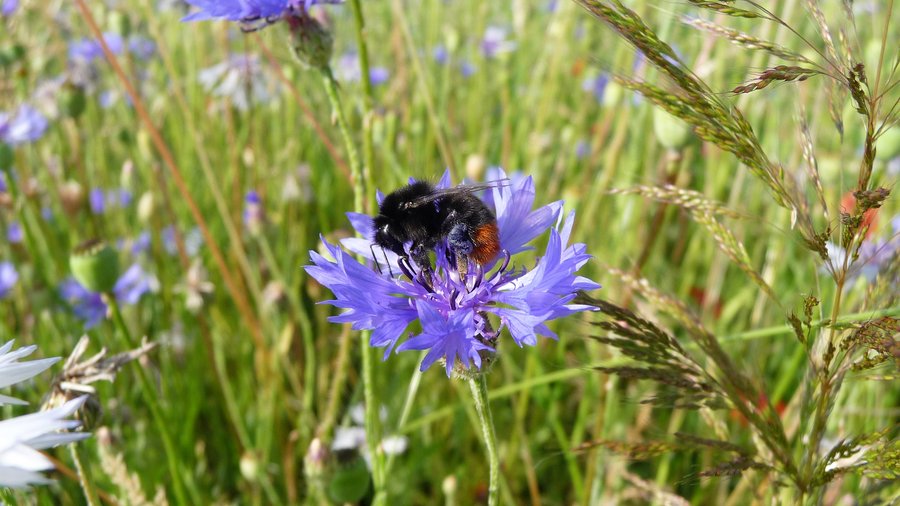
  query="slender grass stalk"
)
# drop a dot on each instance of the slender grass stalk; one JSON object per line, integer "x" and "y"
{"x": 156, "y": 411}
{"x": 83, "y": 477}
{"x": 478, "y": 385}
{"x": 436, "y": 121}
{"x": 368, "y": 100}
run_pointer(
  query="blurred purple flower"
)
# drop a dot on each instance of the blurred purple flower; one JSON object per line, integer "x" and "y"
{"x": 251, "y": 13}
{"x": 874, "y": 255}
{"x": 132, "y": 285}
{"x": 193, "y": 240}
{"x": 89, "y": 49}
{"x": 440, "y": 54}
{"x": 254, "y": 212}
{"x": 596, "y": 85}
{"x": 28, "y": 125}
{"x": 141, "y": 243}
{"x": 348, "y": 70}
{"x": 8, "y": 7}
{"x": 89, "y": 306}
{"x": 141, "y": 47}
{"x": 8, "y": 278}
{"x": 454, "y": 312}
{"x": 97, "y": 200}
{"x": 14, "y": 233}
{"x": 494, "y": 42}
{"x": 582, "y": 149}
{"x": 467, "y": 69}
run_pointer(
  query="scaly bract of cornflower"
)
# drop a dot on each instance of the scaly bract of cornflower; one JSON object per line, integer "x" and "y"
{"x": 454, "y": 311}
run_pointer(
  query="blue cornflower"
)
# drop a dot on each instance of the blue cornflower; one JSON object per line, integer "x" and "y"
{"x": 348, "y": 70}
{"x": 440, "y": 54}
{"x": 254, "y": 213}
{"x": 8, "y": 278}
{"x": 495, "y": 43}
{"x": 97, "y": 200}
{"x": 252, "y": 13}
{"x": 454, "y": 311}
{"x": 90, "y": 307}
{"x": 89, "y": 49}
{"x": 596, "y": 85}
{"x": 28, "y": 125}
{"x": 8, "y": 7}
{"x": 14, "y": 233}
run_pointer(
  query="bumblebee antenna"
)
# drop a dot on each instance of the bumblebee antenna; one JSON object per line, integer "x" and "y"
{"x": 377, "y": 265}
{"x": 387, "y": 261}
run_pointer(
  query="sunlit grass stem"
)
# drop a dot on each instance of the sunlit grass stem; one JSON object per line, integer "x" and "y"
{"x": 176, "y": 471}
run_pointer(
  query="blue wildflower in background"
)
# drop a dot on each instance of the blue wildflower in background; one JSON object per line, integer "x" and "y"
{"x": 14, "y": 233}
{"x": 90, "y": 308}
{"x": 27, "y": 125}
{"x": 348, "y": 70}
{"x": 8, "y": 7}
{"x": 8, "y": 278}
{"x": 454, "y": 311}
{"x": 494, "y": 43}
{"x": 89, "y": 49}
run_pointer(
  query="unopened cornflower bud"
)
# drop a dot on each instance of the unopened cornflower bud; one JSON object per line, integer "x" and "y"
{"x": 311, "y": 42}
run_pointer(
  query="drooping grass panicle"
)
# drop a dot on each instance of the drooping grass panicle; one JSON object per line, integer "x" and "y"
{"x": 731, "y": 383}
{"x": 662, "y": 359}
{"x": 712, "y": 119}
{"x": 705, "y": 212}
{"x": 747, "y": 40}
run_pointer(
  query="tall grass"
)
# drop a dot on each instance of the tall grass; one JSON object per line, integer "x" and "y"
{"x": 771, "y": 358}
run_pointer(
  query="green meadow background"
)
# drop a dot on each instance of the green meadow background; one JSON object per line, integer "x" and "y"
{"x": 243, "y": 398}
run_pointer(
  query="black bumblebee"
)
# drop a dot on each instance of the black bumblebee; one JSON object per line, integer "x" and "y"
{"x": 424, "y": 215}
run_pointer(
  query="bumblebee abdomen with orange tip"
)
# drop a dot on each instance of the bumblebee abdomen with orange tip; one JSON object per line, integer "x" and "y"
{"x": 487, "y": 243}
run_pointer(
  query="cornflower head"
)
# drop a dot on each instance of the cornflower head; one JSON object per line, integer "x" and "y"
{"x": 454, "y": 308}
{"x": 252, "y": 14}
{"x": 22, "y": 436}
{"x": 8, "y": 278}
{"x": 26, "y": 125}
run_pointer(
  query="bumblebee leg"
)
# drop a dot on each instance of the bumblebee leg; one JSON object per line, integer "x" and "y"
{"x": 419, "y": 254}
{"x": 461, "y": 243}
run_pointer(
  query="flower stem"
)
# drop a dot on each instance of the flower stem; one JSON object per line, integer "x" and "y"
{"x": 359, "y": 189}
{"x": 368, "y": 377}
{"x": 153, "y": 404}
{"x": 368, "y": 100}
{"x": 478, "y": 385}
{"x": 90, "y": 496}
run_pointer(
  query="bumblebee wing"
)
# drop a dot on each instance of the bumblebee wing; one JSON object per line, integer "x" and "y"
{"x": 456, "y": 190}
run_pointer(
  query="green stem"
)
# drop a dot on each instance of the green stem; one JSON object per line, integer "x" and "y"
{"x": 368, "y": 97}
{"x": 90, "y": 495}
{"x": 359, "y": 191}
{"x": 153, "y": 405}
{"x": 478, "y": 385}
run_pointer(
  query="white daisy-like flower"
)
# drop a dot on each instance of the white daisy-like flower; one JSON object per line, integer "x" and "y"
{"x": 21, "y": 437}
{"x": 12, "y": 371}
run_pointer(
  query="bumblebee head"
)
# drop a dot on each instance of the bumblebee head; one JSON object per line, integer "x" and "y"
{"x": 387, "y": 235}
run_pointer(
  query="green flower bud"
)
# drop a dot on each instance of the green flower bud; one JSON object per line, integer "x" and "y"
{"x": 350, "y": 481}
{"x": 671, "y": 132}
{"x": 311, "y": 42}
{"x": 95, "y": 265}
